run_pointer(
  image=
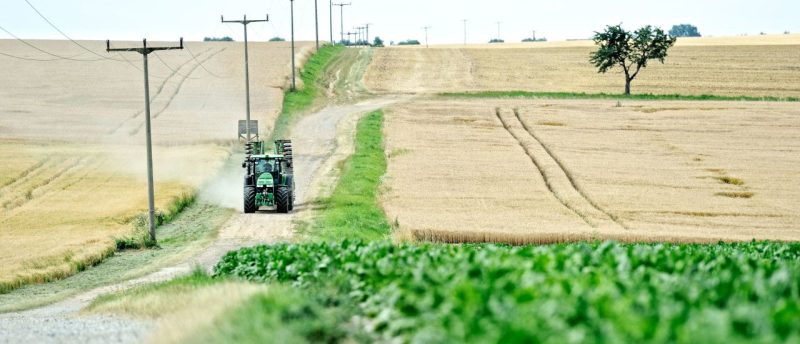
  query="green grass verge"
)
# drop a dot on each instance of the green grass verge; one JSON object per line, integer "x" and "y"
{"x": 283, "y": 314}
{"x": 575, "y": 95}
{"x": 571, "y": 293}
{"x": 191, "y": 230}
{"x": 295, "y": 102}
{"x": 140, "y": 238}
{"x": 197, "y": 279}
{"x": 352, "y": 210}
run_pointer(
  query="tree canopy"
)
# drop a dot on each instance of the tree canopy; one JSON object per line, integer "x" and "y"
{"x": 630, "y": 51}
{"x": 218, "y": 39}
{"x": 684, "y": 30}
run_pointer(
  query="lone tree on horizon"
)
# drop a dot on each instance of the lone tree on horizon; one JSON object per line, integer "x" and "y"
{"x": 629, "y": 50}
{"x": 684, "y": 30}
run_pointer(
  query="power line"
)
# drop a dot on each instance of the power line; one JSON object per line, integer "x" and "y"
{"x": 170, "y": 68}
{"x": 44, "y": 51}
{"x": 124, "y": 59}
{"x": 28, "y": 58}
{"x": 201, "y": 64}
{"x": 65, "y": 35}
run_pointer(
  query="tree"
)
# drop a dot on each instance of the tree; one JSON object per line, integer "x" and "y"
{"x": 496, "y": 40}
{"x": 378, "y": 42}
{"x": 409, "y": 42}
{"x": 630, "y": 51}
{"x": 684, "y": 30}
{"x": 218, "y": 39}
{"x": 277, "y": 39}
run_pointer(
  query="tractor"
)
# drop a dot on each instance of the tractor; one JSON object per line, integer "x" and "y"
{"x": 269, "y": 179}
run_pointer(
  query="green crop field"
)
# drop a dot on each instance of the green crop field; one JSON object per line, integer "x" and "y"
{"x": 601, "y": 292}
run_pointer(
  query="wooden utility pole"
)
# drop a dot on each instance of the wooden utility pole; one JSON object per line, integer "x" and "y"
{"x": 341, "y": 17}
{"x": 426, "y": 35}
{"x": 244, "y": 23}
{"x": 145, "y": 50}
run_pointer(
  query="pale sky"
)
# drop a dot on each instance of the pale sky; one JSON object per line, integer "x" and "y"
{"x": 392, "y": 20}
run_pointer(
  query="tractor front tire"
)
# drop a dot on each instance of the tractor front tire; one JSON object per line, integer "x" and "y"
{"x": 250, "y": 206}
{"x": 283, "y": 198}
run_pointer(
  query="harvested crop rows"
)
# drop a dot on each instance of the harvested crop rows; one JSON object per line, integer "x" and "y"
{"x": 733, "y": 67}
{"x": 541, "y": 171}
{"x": 72, "y": 144}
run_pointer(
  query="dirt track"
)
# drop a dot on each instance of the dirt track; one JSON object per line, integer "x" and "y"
{"x": 321, "y": 139}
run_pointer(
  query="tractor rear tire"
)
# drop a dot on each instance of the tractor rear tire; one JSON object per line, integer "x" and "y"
{"x": 283, "y": 197}
{"x": 250, "y": 206}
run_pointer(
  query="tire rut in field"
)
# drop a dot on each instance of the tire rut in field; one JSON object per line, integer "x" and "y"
{"x": 24, "y": 175}
{"x": 567, "y": 172}
{"x": 557, "y": 178}
{"x": 30, "y": 194}
{"x": 153, "y": 98}
{"x": 177, "y": 90}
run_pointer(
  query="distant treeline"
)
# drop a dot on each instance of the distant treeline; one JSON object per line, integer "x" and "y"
{"x": 218, "y": 39}
{"x": 409, "y": 42}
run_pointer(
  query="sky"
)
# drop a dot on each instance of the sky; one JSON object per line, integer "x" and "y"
{"x": 167, "y": 20}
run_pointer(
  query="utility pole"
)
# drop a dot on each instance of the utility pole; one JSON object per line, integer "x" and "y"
{"x": 359, "y": 35}
{"x": 145, "y": 50}
{"x": 426, "y": 35}
{"x": 367, "y": 26}
{"x": 350, "y": 42}
{"x": 316, "y": 22}
{"x": 465, "y": 31}
{"x": 294, "y": 73}
{"x": 244, "y": 23}
{"x": 331, "y": 22}
{"x": 498, "y": 29}
{"x": 341, "y": 17}
{"x": 534, "y": 35}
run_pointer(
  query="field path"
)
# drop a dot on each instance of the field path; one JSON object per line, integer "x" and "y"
{"x": 321, "y": 140}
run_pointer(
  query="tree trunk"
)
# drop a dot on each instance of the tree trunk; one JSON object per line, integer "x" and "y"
{"x": 628, "y": 86}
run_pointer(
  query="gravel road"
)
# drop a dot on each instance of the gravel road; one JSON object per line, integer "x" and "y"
{"x": 321, "y": 141}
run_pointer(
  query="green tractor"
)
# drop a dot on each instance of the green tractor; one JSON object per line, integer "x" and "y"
{"x": 269, "y": 179}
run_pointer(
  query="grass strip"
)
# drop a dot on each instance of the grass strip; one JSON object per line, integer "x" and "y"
{"x": 300, "y": 100}
{"x": 191, "y": 230}
{"x": 571, "y": 293}
{"x": 352, "y": 210}
{"x": 645, "y": 96}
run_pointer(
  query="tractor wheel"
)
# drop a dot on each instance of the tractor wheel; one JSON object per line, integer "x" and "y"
{"x": 291, "y": 201}
{"x": 250, "y": 200}
{"x": 282, "y": 199}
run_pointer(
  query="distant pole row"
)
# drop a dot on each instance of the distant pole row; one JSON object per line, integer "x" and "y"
{"x": 465, "y": 21}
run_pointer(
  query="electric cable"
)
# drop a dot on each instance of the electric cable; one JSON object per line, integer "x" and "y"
{"x": 42, "y": 50}
{"x": 186, "y": 47}
{"x": 65, "y": 35}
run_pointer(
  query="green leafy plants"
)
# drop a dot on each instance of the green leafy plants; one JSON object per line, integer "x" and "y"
{"x": 591, "y": 292}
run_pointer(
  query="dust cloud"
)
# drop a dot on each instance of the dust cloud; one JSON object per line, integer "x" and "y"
{"x": 225, "y": 189}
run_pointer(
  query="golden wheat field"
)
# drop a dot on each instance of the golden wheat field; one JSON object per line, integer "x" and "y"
{"x": 72, "y": 142}
{"x": 736, "y": 66}
{"x": 523, "y": 171}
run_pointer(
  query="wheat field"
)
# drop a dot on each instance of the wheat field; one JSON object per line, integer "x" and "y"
{"x": 72, "y": 142}
{"x": 540, "y": 171}
{"x": 735, "y": 66}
